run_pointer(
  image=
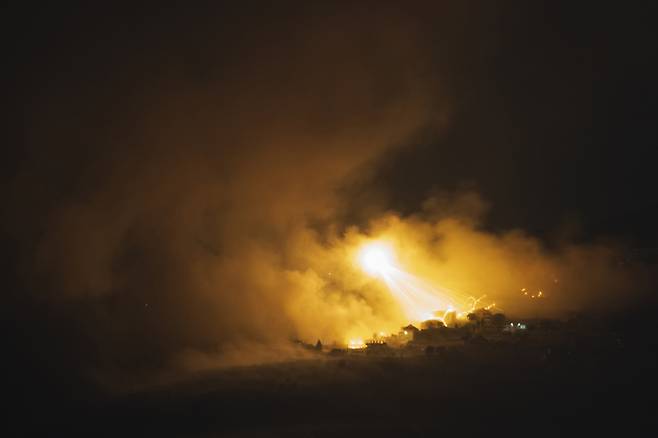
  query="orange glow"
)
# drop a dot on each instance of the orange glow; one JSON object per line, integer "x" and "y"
{"x": 418, "y": 299}
{"x": 376, "y": 258}
{"x": 356, "y": 344}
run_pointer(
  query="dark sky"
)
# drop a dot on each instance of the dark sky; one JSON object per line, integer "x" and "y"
{"x": 553, "y": 122}
{"x": 551, "y": 104}
{"x": 155, "y": 150}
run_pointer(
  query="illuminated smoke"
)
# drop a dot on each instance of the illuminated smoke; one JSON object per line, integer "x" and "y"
{"x": 419, "y": 300}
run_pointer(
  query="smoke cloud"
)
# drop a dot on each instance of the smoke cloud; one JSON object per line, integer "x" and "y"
{"x": 189, "y": 202}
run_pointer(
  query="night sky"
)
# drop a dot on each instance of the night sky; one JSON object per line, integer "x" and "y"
{"x": 550, "y": 104}
{"x": 556, "y": 103}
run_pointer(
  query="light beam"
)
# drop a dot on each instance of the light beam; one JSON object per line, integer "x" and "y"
{"x": 418, "y": 299}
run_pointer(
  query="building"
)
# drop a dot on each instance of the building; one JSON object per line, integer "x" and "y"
{"x": 408, "y": 333}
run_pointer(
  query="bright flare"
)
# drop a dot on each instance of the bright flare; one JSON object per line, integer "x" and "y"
{"x": 376, "y": 258}
{"x": 417, "y": 298}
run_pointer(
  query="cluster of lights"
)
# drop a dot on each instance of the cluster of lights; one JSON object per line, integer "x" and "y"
{"x": 538, "y": 294}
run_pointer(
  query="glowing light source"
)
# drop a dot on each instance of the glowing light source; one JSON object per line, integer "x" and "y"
{"x": 419, "y": 300}
{"x": 376, "y": 258}
{"x": 356, "y": 344}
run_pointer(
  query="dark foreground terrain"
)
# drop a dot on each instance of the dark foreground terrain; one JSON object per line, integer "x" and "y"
{"x": 594, "y": 381}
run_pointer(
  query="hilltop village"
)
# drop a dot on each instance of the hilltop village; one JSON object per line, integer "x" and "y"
{"x": 481, "y": 327}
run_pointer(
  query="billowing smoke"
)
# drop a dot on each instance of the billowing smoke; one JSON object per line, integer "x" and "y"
{"x": 186, "y": 203}
{"x": 159, "y": 203}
